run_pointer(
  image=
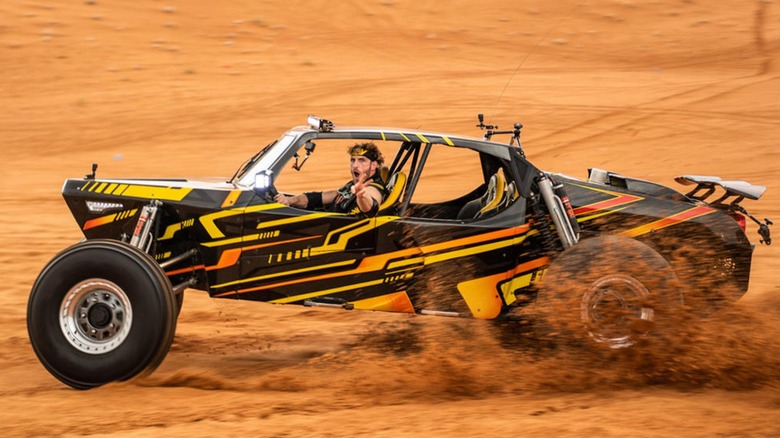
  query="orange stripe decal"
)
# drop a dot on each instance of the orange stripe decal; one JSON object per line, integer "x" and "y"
{"x": 529, "y": 266}
{"x": 618, "y": 200}
{"x": 507, "y": 232}
{"x": 98, "y": 221}
{"x": 229, "y": 257}
{"x": 185, "y": 270}
{"x": 668, "y": 221}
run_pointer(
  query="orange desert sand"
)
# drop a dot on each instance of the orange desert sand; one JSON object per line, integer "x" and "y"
{"x": 166, "y": 88}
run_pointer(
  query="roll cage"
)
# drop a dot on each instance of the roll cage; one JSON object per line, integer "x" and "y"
{"x": 413, "y": 153}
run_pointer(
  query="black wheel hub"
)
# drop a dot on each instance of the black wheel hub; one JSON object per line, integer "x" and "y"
{"x": 99, "y": 316}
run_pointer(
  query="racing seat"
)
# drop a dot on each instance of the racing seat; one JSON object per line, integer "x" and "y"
{"x": 493, "y": 197}
{"x": 511, "y": 195}
{"x": 470, "y": 209}
{"x": 395, "y": 187}
{"x": 487, "y": 203}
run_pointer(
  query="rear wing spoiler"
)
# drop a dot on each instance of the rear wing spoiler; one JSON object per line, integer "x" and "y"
{"x": 705, "y": 187}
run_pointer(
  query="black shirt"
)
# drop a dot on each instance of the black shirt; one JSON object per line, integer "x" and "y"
{"x": 346, "y": 201}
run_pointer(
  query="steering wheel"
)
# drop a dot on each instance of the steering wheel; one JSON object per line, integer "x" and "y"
{"x": 271, "y": 192}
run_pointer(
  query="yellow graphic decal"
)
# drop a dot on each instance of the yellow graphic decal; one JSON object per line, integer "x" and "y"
{"x": 170, "y": 230}
{"x": 244, "y": 239}
{"x": 334, "y": 290}
{"x": 208, "y": 220}
{"x": 231, "y": 198}
{"x": 473, "y": 250}
{"x": 599, "y": 214}
{"x": 137, "y": 191}
{"x": 155, "y": 192}
{"x": 523, "y": 280}
{"x": 481, "y": 296}
{"x": 378, "y": 262}
{"x": 162, "y": 256}
{"x": 343, "y": 235}
{"x": 229, "y": 257}
{"x": 437, "y": 258}
{"x": 292, "y": 220}
{"x": 508, "y": 289}
{"x": 419, "y": 261}
{"x": 290, "y": 272}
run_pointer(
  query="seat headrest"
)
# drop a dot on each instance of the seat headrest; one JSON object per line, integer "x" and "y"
{"x": 384, "y": 173}
{"x": 494, "y": 194}
{"x": 395, "y": 187}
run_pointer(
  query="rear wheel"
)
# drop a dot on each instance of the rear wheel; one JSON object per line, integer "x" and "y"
{"x": 101, "y": 311}
{"x": 612, "y": 290}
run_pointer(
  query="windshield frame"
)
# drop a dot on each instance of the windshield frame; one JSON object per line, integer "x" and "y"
{"x": 266, "y": 159}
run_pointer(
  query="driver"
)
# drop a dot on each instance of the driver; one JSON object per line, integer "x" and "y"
{"x": 361, "y": 195}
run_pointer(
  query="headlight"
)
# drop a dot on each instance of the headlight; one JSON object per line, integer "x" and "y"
{"x": 102, "y": 207}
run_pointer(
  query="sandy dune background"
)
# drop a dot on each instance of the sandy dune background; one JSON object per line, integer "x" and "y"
{"x": 148, "y": 88}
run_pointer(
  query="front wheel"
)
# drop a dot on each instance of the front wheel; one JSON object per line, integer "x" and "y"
{"x": 101, "y": 311}
{"x": 612, "y": 290}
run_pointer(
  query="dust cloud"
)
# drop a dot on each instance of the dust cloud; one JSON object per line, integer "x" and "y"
{"x": 192, "y": 89}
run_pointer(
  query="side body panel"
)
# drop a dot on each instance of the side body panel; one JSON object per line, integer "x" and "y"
{"x": 700, "y": 242}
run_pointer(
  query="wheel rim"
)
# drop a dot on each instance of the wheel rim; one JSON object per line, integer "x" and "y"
{"x": 96, "y": 316}
{"x": 614, "y": 310}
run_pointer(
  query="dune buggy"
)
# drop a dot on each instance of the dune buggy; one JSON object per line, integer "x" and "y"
{"x": 469, "y": 229}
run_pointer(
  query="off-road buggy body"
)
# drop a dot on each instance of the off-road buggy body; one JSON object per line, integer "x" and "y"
{"x": 105, "y": 309}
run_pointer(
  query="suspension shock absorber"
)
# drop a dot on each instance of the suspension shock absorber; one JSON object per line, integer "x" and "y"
{"x": 543, "y": 227}
{"x": 558, "y": 211}
{"x": 142, "y": 237}
{"x": 560, "y": 192}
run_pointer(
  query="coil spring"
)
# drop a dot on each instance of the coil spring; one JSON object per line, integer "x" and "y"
{"x": 544, "y": 228}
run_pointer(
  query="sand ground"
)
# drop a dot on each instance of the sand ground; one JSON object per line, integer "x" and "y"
{"x": 150, "y": 88}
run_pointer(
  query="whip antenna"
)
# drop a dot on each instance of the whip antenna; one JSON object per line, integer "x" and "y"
{"x": 522, "y": 61}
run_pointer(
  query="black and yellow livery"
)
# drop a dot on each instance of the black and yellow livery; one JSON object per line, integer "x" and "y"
{"x": 479, "y": 254}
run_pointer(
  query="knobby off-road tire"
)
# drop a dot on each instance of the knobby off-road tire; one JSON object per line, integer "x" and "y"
{"x": 101, "y": 311}
{"x": 178, "y": 303}
{"x": 612, "y": 290}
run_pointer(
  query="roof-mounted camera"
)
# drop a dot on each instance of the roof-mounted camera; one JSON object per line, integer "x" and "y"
{"x": 491, "y": 130}
{"x": 319, "y": 124}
